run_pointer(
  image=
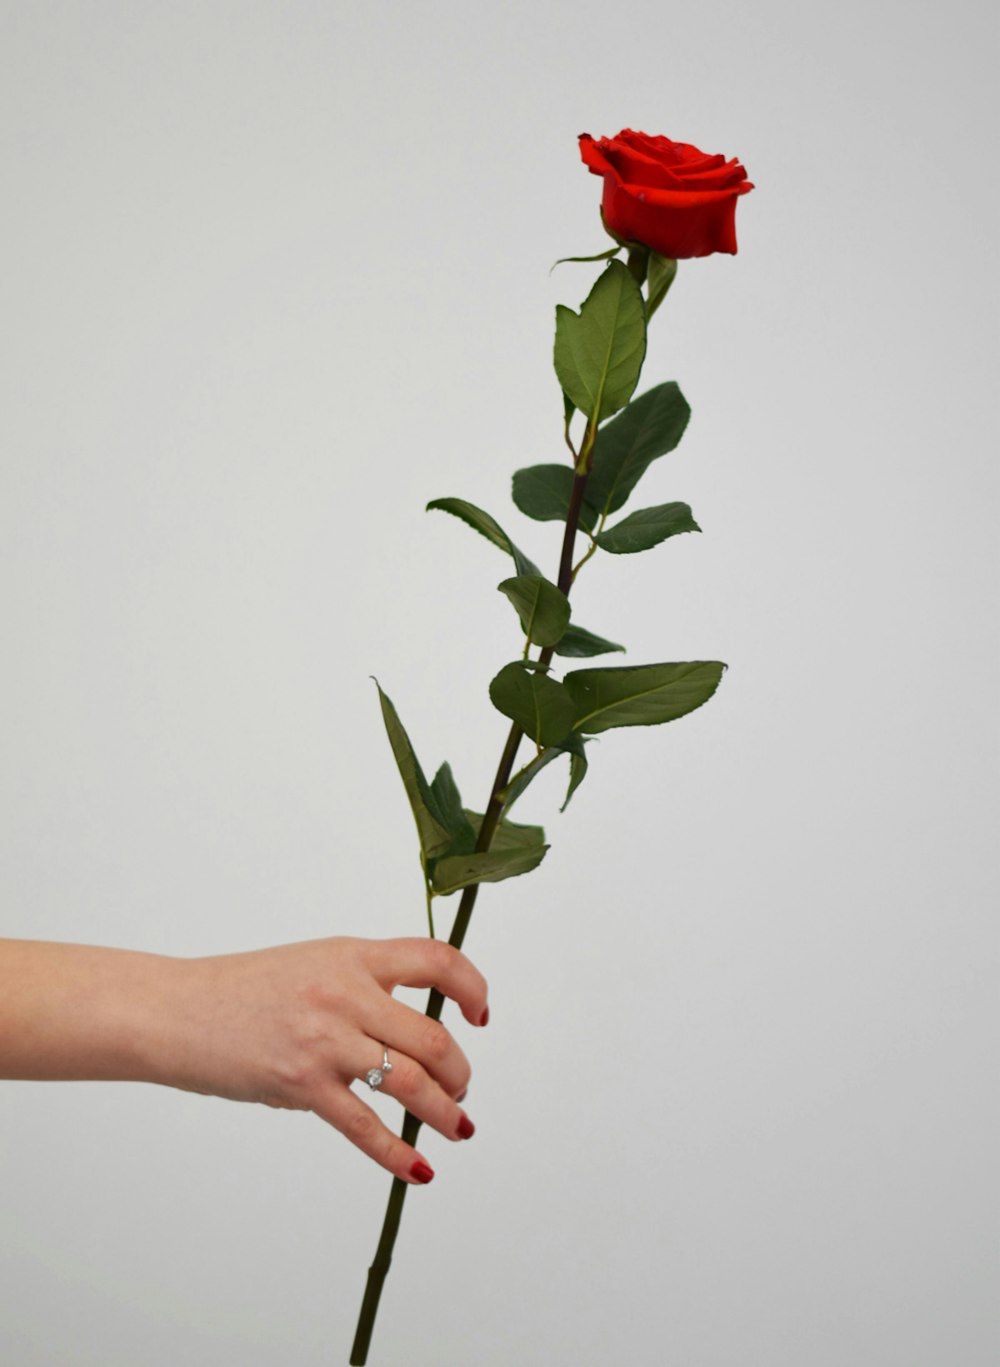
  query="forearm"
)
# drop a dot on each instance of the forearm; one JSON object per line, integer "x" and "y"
{"x": 84, "y": 1012}
{"x": 291, "y": 1026}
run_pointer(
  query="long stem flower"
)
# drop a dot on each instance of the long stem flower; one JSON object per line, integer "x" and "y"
{"x": 599, "y": 354}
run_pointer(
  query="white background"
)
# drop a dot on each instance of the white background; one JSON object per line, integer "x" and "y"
{"x": 274, "y": 276}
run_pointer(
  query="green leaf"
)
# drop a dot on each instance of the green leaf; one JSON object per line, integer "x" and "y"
{"x": 449, "y": 803}
{"x": 646, "y": 528}
{"x": 432, "y": 828}
{"x": 580, "y": 643}
{"x": 509, "y": 835}
{"x": 535, "y": 665}
{"x": 662, "y": 271}
{"x": 640, "y": 695}
{"x": 577, "y": 766}
{"x": 514, "y": 850}
{"x": 486, "y": 526}
{"x": 649, "y": 427}
{"x": 543, "y": 609}
{"x": 599, "y": 351}
{"x": 540, "y": 706}
{"x": 573, "y": 745}
{"x": 521, "y": 781}
{"x": 543, "y": 492}
{"x": 459, "y": 870}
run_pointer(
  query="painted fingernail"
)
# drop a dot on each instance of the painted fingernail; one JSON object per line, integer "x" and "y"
{"x": 466, "y": 1129}
{"x": 484, "y": 1019}
{"x": 420, "y": 1172}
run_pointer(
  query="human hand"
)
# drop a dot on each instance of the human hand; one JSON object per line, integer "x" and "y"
{"x": 295, "y": 1025}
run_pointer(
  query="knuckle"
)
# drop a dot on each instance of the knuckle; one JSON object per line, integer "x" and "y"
{"x": 406, "y": 1080}
{"x": 362, "y": 1128}
{"x": 296, "y": 1073}
{"x": 298, "y": 1079}
{"x": 443, "y": 957}
{"x": 321, "y": 1001}
{"x": 436, "y": 1041}
{"x": 299, "y": 1070}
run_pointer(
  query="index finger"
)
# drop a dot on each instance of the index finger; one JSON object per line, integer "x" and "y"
{"x": 418, "y": 962}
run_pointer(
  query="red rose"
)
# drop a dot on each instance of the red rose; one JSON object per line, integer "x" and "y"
{"x": 667, "y": 195}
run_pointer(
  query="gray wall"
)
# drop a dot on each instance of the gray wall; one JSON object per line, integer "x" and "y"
{"x": 274, "y": 276}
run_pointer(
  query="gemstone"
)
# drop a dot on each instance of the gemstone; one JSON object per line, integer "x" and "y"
{"x": 374, "y": 1078}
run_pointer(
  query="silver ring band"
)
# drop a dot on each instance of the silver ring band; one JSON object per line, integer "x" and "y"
{"x": 376, "y": 1076}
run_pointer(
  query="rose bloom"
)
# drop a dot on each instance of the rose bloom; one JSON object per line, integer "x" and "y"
{"x": 667, "y": 195}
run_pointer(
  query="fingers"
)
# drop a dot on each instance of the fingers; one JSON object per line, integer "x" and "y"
{"x": 429, "y": 1070}
{"x": 432, "y": 963}
{"x": 410, "y": 1084}
{"x": 419, "y": 1037}
{"x": 359, "y": 1123}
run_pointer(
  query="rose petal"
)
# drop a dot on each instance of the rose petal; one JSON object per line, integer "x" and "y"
{"x": 670, "y": 196}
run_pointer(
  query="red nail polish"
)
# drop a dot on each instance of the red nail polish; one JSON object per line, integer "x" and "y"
{"x": 484, "y": 1019}
{"x": 466, "y": 1129}
{"x": 421, "y": 1172}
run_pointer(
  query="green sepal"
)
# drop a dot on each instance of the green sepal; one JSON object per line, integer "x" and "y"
{"x": 514, "y": 850}
{"x": 543, "y": 609}
{"x": 649, "y": 427}
{"x": 432, "y": 827}
{"x": 647, "y": 527}
{"x": 598, "y": 256}
{"x": 445, "y": 792}
{"x": 540, "y": 706}
{"x": 640, "y": 695}
{"x": 579, "y": 643}
{"x": 486, "y": 526}
{"x": 543, "y": 492}
{"x": 599, "y": 351}
{"x": 661, "y": 275}
{"x": 622, "y": 241}
{"x": 638, "y": 263}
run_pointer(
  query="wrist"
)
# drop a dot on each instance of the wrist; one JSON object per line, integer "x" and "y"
{"x": 159, "y": 1029}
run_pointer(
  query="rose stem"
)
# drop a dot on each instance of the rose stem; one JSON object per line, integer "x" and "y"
{"x": 637, "y": 263}
{"x": 491, "y": 819}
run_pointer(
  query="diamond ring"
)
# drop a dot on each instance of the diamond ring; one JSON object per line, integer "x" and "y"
{"x": 376, "y": 1076}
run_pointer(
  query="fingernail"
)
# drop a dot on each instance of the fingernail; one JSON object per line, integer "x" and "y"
{"x": 421, "y": 1172}
{"x": 484, "y": 1019}
{"x": 461, "y": 1098}
{"x": 466, "y": 1129}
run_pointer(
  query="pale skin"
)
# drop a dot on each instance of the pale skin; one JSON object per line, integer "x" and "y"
{"x": 292, "y": 1027}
